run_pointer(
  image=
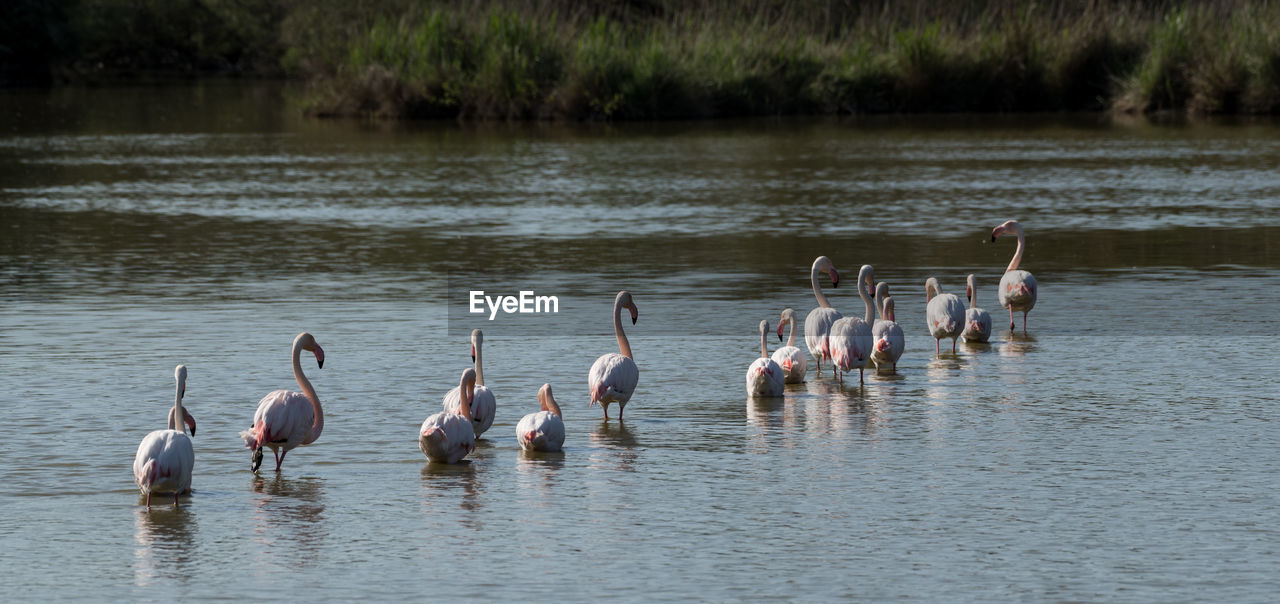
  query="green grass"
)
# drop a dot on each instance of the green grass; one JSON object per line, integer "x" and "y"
{"x": 656, "y": 59}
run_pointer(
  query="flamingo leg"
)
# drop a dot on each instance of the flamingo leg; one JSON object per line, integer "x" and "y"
{"x": 937, "y": 346}
{"x": 861, "y": 381}
{"x": 148, "y": 501}
{"x": 1011, "y": 324}
{"x": 620, "y": 408}
{"x": 953, "y": 345}
{"x": 175, "y": 498}
{"x": 280, "y": 459}
{"x": 1024, "y": 322}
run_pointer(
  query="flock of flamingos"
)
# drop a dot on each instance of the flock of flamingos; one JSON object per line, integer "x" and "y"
{"x": 286, "y": 419}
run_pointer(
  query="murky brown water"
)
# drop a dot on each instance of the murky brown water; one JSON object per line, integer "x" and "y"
{"x": 1123, "y": 450}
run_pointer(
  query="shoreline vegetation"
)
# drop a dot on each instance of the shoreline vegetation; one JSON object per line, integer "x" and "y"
{"x": 662, "y": 59}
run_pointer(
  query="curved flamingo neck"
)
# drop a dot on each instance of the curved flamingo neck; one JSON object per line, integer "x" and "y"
{"x": 791, "y": 336}
{"x": 318, "y": 425}
{"x": 549, "y": 403}
{"x": 973, "y": 292}
{"x": 1017, "y": 254}
{"x": 870, "y": 314}
{"x": 624, "y": 346}
{"x": 817, "y": 290}
{"x": 175, "y": 414}
{"x": 764, "y": 349}
{"x": 466, "y": 392}
{"x": 479, "y": 363}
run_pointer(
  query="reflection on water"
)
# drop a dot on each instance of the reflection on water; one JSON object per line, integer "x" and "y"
{"x": 288, "y": 516}
{"x": 449, "y": 488}
{"x": 540, "y": 470}
{"x": 613, "y": 446}
{"x": 1017, "y": 343}
{"x": 165, "y": 544}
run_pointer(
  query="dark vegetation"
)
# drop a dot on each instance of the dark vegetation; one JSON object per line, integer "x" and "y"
{"x": 647, "y": 59}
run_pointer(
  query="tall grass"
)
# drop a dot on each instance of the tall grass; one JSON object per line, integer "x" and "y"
{"x": 645, "y": 59}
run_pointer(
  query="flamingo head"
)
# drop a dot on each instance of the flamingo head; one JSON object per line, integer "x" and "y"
{"x": 255, "y": 459}
{"x": 180, "y": 376}
{"x": 1009, "y": 226}
{"x": 888, "y": 308}
{"x": 624, "y": 300}
{"x": 867, "y": 277}
{"x": 308, "y": 343}
{"x": 835, "y": 277}
{"x": 779, "y": 332}
{"x": 467, "y": 390}
{"x": 189, "y": 420}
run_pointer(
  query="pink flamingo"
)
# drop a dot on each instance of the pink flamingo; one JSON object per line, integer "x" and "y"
{"x": 944, "y": 314}
{"x": 977, "y": 323}
{"x": 286, "y": 419}
{"x": 817, "y": 326}
{"x": 793, "y": 362}
{"x": 1017, "y": 287}
{"x": 166, "y": 458}
{"x": 851, "y": 339}
{"x": 448, "y": 436}
{"x": 544, "y": 430}
{"x": 614, "y": 376}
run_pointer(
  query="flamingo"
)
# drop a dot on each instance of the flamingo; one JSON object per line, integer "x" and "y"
{"x": 448, "y": 436}
{"x": 793, "y": 362}
{"x": 1017, "y": 287}
{"x": 483, "y": 404}
{"x": 944, "y": 315}
{"x": 286, "y": 419}
{"x": 851, "y": 340}
{"x": 544, "y": 430}
{"x": 817, "y": 326}
{"x": 614, "y": 376}
{"x": 977, "y": 323}
{"x": 165, "y": 457}
{"x": 764, "y": 376}
{"x": 889, "y": 340}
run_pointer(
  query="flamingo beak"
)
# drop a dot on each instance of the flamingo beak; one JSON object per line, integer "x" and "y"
{"x": 319, "y": 356}
{"x": 255, "y": 460}
{"x": 473, "y": 353}
{"x": 635, "y": 314}
{"x": 835, "y": 278}
{"x": 191, "y": 421}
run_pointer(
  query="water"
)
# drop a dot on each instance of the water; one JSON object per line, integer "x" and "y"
{"x": 1124, "y": 450}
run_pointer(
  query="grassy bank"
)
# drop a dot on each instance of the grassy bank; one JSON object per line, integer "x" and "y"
{"x": 653, "y": 59}
{"x": 669, "y": 59}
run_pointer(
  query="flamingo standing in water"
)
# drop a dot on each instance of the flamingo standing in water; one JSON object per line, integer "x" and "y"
{"x": 165, "y": 457}
{"x": 286, "y": 419}
{"x": 817, "y": 326}
{"x": 1017, "y": 287}
{"x": 944, "y": 315}
{"x": 544, "y": 430}
{"x": 792, "y": 360}
{"x": 448, "y": 436}
{"x": 889, "y": 340}
{"x": 851, "y": 340}
{"x": 764, "y": 376}
{"x": 614, "y": 376}
{"x": 977, "y": 323}
{"x": 483, "y": 404}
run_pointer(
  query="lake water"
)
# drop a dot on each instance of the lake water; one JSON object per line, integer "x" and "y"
{"x": 1125, "y": 449}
